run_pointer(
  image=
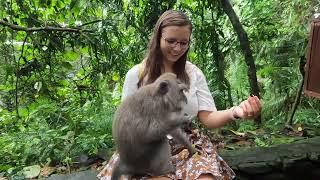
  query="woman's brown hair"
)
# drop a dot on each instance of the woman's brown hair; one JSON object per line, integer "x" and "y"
{"x": 153, "y": 60}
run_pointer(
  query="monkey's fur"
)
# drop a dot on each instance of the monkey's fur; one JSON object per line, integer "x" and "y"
{"x": 141, "y": 124}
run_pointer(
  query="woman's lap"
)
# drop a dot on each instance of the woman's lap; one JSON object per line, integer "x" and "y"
{"x": 205, "y": 161}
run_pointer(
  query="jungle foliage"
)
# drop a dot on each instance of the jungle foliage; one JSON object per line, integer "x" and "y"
{"x": 62, "y": 64}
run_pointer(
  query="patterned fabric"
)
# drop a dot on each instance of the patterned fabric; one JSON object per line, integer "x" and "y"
{"x": 205, "y": 161}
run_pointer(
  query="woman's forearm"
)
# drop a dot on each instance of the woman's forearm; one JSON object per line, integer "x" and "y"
{"x": 216, "y": 119}
{"x": 247, "y": 109}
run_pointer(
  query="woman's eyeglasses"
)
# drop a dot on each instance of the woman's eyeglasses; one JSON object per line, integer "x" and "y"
{"x": 174, "y": 43}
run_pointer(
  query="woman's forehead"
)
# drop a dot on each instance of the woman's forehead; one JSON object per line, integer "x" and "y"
{"x": 177, "y": 32}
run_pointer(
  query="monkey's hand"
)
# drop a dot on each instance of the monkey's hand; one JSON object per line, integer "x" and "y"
{"x": 177, "y": 119}
{"x": 186, "y": 121}
{"x": 192, "y": 151}
{"x": 180, "y": 136}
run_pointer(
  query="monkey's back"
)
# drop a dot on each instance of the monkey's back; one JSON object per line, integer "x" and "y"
{"x": 142, "y": 122}
{"x": 135, "y": 115}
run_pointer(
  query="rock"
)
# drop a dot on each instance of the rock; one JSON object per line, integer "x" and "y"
{"x": 297, "y": 160}
{"x": 82, "y": 175}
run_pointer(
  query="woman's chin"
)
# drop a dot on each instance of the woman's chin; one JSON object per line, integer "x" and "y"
{"x": 173, "y": 59}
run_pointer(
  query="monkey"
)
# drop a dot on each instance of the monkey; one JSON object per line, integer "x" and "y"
{"x": 141, "y": 124}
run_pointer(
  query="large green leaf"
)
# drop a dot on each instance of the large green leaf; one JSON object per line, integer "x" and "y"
{"x": 71, "y": 56}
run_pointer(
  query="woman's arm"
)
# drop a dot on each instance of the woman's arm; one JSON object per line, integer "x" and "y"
{"x": 215, "y": 119}
{"x": 249, "y": 108}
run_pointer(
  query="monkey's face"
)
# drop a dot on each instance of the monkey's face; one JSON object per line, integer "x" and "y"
{"x": 171, "y": 91}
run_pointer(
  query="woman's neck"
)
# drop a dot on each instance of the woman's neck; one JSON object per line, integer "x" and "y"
{"x": 168, "y": 67}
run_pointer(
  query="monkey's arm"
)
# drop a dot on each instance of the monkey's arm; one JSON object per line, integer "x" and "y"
{"x": 179, "y": 136}
{"x": 176, "y": 120}
{"x": 159, "y": 129}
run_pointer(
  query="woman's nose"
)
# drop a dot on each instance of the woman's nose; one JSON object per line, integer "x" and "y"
{"x": 177, "y": 47}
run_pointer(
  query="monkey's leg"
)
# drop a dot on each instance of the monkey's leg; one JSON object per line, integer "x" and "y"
{"x": 181, "y": 138}
{"x": 161, "y": 164}
{"x": 119, "y": 169}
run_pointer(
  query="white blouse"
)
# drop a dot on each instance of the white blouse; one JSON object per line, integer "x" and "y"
{"x": 199, "y": 96}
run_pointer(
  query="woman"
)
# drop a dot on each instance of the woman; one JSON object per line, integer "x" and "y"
{"x": 168, "y": 50}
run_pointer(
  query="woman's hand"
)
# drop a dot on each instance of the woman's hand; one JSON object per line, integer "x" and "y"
{"x": 248, "y": 109}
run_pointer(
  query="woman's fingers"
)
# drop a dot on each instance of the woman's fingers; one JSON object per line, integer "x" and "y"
{"x": 255, "y": 105}
{"x": 251, "y": 107}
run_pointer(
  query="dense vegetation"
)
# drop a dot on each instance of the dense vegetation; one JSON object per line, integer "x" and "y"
{"x": 62, "y": 65}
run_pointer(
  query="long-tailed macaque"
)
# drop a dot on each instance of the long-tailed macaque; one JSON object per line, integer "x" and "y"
{"x": 141, "y": 124}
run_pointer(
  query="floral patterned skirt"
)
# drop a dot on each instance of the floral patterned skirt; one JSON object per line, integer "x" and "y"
{"x": 205, "y": 161}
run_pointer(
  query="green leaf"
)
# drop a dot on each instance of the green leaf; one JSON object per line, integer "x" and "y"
{"x": 6, "y": 87}
{"x": 67, "y": 65}
{"x": 260, "y": 142}
{"x": 64, "y": 83}
{"x": 115, "y": 77}
{"x": 4, "y": 168}
{"x": 71, "y": 56}
{"x": 73, "y": 4}
{"x": 23, "y": 112}
{"x": 62, "y": 91}
{"x": 85, "y": 50}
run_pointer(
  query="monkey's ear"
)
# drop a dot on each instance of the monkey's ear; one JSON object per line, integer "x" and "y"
{"x": 163, "y": 87}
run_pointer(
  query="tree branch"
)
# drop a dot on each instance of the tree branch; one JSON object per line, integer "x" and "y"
{"x": 92, "y": 22}
{"x": 45, "y": 28}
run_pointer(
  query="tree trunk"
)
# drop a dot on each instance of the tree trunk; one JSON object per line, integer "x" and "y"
{"x": 245, "y": 47}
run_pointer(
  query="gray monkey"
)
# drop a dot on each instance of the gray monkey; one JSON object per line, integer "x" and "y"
{"x": 141, "y": 124}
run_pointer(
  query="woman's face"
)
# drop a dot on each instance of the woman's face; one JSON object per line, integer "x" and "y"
{"x": 174, "y": 42}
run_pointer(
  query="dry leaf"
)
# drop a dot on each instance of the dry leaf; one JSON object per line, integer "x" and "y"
{"x": 47, "y": 171}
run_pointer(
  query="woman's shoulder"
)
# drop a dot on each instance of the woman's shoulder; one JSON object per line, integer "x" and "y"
{"x": 192, "y": 69}
{"x": 134, "y": 71}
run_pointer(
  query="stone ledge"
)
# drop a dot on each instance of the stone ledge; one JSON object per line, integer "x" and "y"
{"x": 297, "y": 160}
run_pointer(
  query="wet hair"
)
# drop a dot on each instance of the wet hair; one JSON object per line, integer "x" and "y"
{"x": 153, "y": 59}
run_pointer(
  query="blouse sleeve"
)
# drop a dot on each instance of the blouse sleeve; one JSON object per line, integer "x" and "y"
{"x": 205, "y": 99}
{"x": 130, "y": 82}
